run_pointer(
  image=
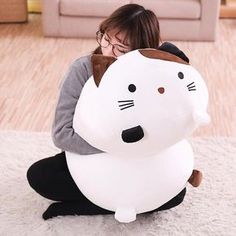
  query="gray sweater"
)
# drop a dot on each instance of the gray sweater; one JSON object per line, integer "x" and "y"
{"x": 63, "y": 134}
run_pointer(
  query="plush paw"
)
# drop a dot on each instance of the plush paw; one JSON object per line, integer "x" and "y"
{"x": 125, "y": 215}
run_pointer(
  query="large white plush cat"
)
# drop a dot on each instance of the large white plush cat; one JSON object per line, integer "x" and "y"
{"x": 138, "y": 109}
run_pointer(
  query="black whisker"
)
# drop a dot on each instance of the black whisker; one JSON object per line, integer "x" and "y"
{"x": 126, "y": 101}
{"x": 126, "y": 107}
{"x": 192, "y": 87}
{"x": 190, "y": 84}
{"x": 126, "y": 104}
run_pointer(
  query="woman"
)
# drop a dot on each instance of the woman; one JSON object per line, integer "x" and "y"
{"x": 128, "y": 28}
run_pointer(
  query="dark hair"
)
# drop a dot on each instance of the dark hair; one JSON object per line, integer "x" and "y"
{"x": 140, "y": 26}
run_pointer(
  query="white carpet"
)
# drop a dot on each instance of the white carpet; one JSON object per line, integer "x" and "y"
{"x": 207, "y": 210}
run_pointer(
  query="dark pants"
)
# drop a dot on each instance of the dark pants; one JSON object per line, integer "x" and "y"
{"x": 50, "y": 177}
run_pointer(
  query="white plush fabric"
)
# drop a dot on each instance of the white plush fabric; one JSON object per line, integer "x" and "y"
{"x": 165, "y": 118}
{"x": 207, "y": 210}
{"x": 143, "y": 172}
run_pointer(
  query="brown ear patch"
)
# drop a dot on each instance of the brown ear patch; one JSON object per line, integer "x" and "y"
{"x": 158, "y": 54}
{"x": 100, "y": 64}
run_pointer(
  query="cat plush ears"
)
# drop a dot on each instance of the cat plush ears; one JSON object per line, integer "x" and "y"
{"x": 171, "y": 48}
{"x": 166, "y": 51}
{"x": 100, "y": 64}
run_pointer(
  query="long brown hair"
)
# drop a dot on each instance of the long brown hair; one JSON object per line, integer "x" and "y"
{"x": 140, "y": 26}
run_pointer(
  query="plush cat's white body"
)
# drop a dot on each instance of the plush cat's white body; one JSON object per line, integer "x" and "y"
{"x": 132, "y": 186}
{"x": 139, "y": 115}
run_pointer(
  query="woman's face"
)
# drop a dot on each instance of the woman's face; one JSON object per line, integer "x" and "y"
{"x": 113, "y": 44}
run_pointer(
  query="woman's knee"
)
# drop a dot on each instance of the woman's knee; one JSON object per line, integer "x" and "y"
{"x": 48, "y": 177}
{"x": 35, "y": 177}
{"x": 40, "y": 175}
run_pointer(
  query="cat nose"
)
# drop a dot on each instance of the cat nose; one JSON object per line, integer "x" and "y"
{"x": 132, "y": 135}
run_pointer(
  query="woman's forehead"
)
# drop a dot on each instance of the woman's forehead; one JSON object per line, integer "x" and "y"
{"x": 119, "y": 36}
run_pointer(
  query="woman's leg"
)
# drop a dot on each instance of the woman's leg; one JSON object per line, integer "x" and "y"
{"x": 175, "y": 201}
{"x": 51, "y": 178}
{"x": 74, "y": 208}
{"x": 88, "y": 208}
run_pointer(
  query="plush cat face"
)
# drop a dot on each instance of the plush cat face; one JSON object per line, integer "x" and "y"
{"x": 141, "y": 103}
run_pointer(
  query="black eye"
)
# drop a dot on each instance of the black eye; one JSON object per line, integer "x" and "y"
{"x": 132, "y": 88}
{"x": 180, "y": 75}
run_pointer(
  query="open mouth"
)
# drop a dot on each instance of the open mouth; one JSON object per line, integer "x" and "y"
{"x": 132, "y": 135}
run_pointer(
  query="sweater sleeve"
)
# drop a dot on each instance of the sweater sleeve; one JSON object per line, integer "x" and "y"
{"x": 63, "y": 134}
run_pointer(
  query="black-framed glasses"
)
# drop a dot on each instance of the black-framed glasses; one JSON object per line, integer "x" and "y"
{"x": 106, "y": 43}
{"x": 99, "y": 36}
